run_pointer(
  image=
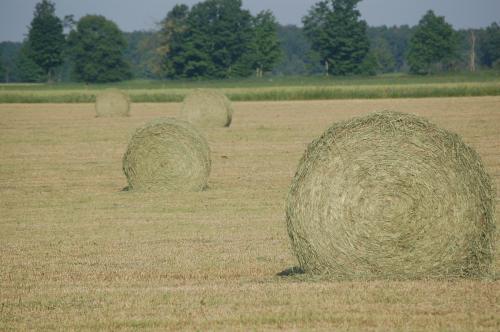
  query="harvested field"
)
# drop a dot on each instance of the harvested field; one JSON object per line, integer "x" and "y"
{"x": 78, "y": 253}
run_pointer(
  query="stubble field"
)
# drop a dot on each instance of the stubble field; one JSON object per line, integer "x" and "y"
{"x": 79, "y": 253}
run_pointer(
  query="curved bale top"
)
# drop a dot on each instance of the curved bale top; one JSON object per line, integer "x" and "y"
{"x": 112, "y": 103}
{"x": 167, "y": 155}
{"x": 207, "y": 109}
{"x": 391, "y": 196}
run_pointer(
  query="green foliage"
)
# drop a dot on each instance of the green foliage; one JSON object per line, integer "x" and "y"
{"x": 266, "y": 46}
{"x": 2, "y": 69}
{"x": 385, "y": 61}
{"x": 213, "y": 39}
{"x": 219, "y": 40}
{"x": 140, "y": 53}
{"x": 295, "y": 49}
{"x": 171, "y": 48}
{"x": 216, "y": 39}
{"x": 490, "y": 45}
{"x": 433, "y": 44}
{"x": 28, "y": 70}
{"x": 390, "y": 45}
{"x": 46, "y": 38}
{"x": 369, "y": 65}
{"x": 338, "y": 36}
{"x": 97, "y": 48}
{"x": 9, "y": 52}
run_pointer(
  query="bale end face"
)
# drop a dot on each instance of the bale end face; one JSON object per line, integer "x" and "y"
{"x": 167, "y": 155}
{"x": 207, "y": 109}
{"x": 112, "y": 103}
{"x": 391, "y": 196}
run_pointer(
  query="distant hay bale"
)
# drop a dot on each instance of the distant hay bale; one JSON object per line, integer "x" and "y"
{"x": 391, "y": 196}
{"x": 167, "y": 155}
{"x": 207, "y": 109}
{"x": 112, "y": 103}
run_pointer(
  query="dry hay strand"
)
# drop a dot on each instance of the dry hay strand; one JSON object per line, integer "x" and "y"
{"x": 112, "y": 103}
{"x": 391, "y": 196}
{"x": 207, "y": 109}
{"x": 167, "y": 155}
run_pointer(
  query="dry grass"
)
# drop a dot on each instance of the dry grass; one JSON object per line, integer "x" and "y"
{"x": 390, "y": 195}
{"x": 207, "y": 108}
{"x": 167, "y": 155}
{"x": 77, "y": 253}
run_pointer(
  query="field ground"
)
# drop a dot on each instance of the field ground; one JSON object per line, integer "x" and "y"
{"x": 78, "y": 253}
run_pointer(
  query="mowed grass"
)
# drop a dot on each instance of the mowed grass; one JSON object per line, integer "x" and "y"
{"x": 78, "y": 253}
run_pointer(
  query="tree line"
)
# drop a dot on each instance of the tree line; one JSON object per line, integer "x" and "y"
{"x": 219, "y": 39}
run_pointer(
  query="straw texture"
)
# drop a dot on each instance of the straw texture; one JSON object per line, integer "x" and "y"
{"x": 167, "y": 155}
{"x": 391, "y": 196}
{"x": 112, "y": 103}
{"x": 207, "y": 108}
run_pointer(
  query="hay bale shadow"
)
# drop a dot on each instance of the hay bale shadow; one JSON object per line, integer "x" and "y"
{"x": 291, "y": 272}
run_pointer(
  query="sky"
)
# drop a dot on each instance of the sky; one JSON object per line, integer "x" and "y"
{"x": 130, "y": 15}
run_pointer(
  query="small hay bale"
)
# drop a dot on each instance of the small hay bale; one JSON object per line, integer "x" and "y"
{"x": 167, "y": 155}
{"x": 207, "y": 109}
{"x": 112, "y": 103}
{"x": 391, "y": 196}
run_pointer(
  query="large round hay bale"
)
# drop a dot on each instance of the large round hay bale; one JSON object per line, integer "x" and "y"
{"x": 167, "y": 155}
{"x": 112, "y": 103}
{"x": 391, "y": 196}
{"x": 207, "y": 109}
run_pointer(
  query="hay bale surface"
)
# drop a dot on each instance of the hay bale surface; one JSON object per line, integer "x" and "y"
{"x": 207, "y": 109}
{"x": 167, "y": 155}
{"x": 391, "y": 196}
{"x": 112, "y": 103}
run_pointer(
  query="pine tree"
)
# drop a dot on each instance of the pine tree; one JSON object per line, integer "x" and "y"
{"x": 46, "y": 38}
{"x": 433, "y": 45}
{"x": 338, "y": 36}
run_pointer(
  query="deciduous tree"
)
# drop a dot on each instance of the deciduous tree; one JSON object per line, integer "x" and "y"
{"x": 46, "y": 39}
{"x": 266, "y": 47}
{"x": 97, "y": 48}
{"x": 338, "y": 35}
{"x": 490, "y": 45}
{"x": 433, "y": 45}
{"x": 27, "y": 70}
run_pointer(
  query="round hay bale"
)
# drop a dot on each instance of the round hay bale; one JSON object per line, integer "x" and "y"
{"x": 391, "y": 196}
{"x": 112, "y": 103}
{"x": 167, "y": 155}
{"x": 207, "y": 109}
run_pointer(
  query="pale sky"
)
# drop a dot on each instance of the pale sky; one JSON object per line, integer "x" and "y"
{"x": 130, "y": 15}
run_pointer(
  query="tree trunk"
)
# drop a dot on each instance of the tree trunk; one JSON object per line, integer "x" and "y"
{"x": 472, "y": 58}
{"x": 259, "y": 72}
{"x": 327, "y": 68}
{"x": 50, "y": 78}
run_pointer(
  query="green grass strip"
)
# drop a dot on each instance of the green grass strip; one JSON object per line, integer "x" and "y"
{"x": 275, "y": 93}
